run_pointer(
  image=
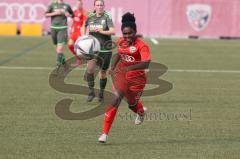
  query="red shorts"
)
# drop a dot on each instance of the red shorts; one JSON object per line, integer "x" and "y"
{"x": 74, "y": 36}
{"x": 131, "y": 84}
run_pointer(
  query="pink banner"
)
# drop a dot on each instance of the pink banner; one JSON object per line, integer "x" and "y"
{"x": 155, "y": 18}
{"x": 206, "y": 18}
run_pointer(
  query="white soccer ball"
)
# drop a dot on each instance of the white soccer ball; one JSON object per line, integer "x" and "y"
{"x": 87, "y": 45}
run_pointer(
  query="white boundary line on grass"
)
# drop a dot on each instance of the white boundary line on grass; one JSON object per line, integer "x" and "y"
{"x": 204, "y": 71}
{"x": 169, "y": 70}
{"x": 25, "y": 68}
{"x": 154, "y": 41}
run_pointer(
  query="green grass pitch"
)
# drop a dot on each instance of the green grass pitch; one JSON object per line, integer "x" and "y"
{"x": 198, "y": 119}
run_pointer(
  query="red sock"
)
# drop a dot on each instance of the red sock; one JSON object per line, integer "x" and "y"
{"x": 138, "y": 109}
{"x": 71, "y": 48}
{"x": 108, "y": 118}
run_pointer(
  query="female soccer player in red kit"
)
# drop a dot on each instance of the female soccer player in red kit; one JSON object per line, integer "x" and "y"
{"x": 77, "y": 30}
{"x": 128, "y": 74}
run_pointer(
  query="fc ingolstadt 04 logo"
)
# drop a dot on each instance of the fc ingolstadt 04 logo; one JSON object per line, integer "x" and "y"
{"x": 199, "y": 16}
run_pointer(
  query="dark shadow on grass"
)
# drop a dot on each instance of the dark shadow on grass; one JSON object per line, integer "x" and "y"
{"x": 62, "y": 108}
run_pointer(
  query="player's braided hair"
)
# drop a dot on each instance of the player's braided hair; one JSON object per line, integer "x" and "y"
{"x": 128, "y": 20}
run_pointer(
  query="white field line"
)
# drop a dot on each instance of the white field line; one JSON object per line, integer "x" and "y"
{"x": 154, "y": 41}
{"x": 204, "y": 71}
{"x": 169, "y": 70}
{"x": 25, "y": 68}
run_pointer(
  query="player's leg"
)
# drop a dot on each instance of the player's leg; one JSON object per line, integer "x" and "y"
{"x": 54, "y": 35}
{"x": 119, "y": 88}
{"x": 109, "y": 115}
{"x": 60, "y": 58}
{"x": 133, "y": 97}
{"x": 136, "y": 106}
{"x": 105, "y": 59}
{"x": 71, "y": 46}
{"x": 91, "y": 64}
{"x": 62, "y": 39}
{"x": 71, "y": 42}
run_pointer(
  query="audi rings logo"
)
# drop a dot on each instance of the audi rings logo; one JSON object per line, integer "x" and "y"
{"x": 26, "y": 12}
{"x": 127, "y": 58}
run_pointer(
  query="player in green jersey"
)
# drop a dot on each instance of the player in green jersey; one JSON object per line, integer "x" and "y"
{"x": 59, "y": 11}
{"x": 100, "y": 25}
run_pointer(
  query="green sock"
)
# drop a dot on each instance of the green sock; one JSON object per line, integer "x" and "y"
{"x": 61, "y": 59}
{"x": 103, "y": 83}
{"x": 90, "y": 80}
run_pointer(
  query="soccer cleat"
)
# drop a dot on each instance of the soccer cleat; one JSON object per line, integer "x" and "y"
{"x": 56, "y": 70}
{"x": 103, "y": 138}
{"x": 90, "y": 97}
{"x": 59, "y": 70}
{"x": 62, "y": 70}
{"x": 140, "y": 118}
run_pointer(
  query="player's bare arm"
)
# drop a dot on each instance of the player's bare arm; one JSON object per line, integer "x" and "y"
{"x": 111, "y": 31}
{"x": 139, "y": 66}
{"x": 53, "y": 14}
{"x": 115, "y": 59}
{"x": 83, "y": 29}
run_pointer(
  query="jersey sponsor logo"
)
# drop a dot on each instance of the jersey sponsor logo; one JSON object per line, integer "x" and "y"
{"x": 132, "y": 49}
{"x": 199, "y": 16}
{"x": 94, "y": 27}
{"x": 60, "y": 10}
{"x": 22, "y": 12}
{"x": 103, "y": 22}
{"x": 127, "y": 58}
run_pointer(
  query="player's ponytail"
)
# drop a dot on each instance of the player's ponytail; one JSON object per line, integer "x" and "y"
{"x": 128, "y": 20}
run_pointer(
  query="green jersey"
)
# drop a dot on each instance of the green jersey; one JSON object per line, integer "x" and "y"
{"x": 101, "y": 23}
{"x": 59, "y": 21}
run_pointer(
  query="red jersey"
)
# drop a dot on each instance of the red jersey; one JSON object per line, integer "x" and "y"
{"x": 131, "y": 83}
{"x": 78, "y": 20}
{"x": 136, "y": 53}
{"x": 131, "y": 55}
